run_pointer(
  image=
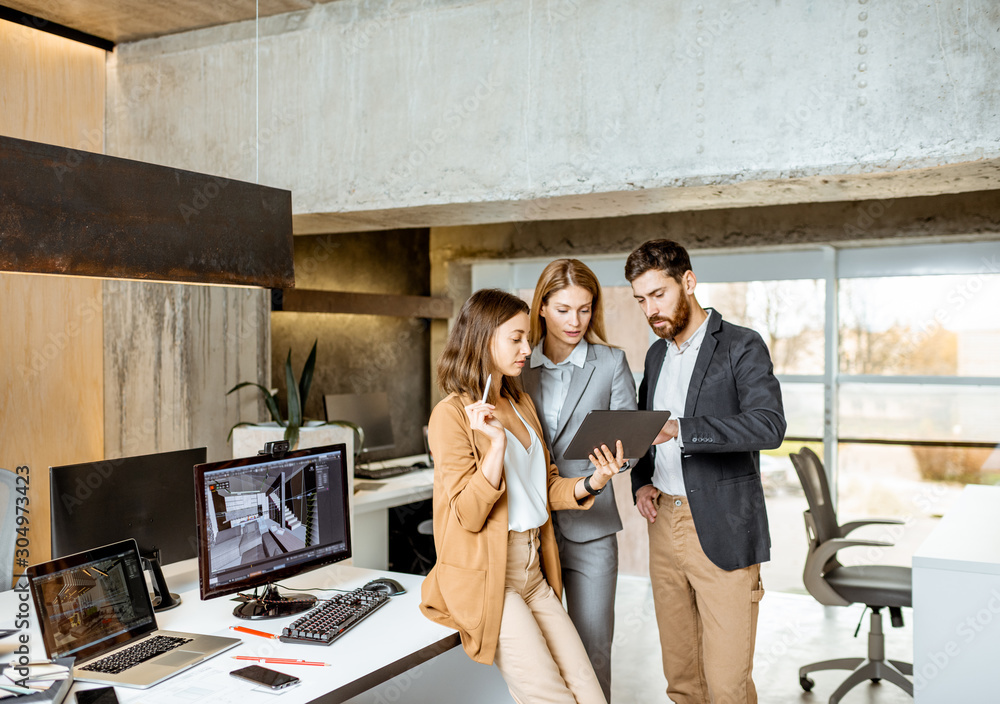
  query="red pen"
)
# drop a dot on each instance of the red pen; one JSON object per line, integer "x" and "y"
{"x": 280, "y": 661}
{"x": 243, "y": 629}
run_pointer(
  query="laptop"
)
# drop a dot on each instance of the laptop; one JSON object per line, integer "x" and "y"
{"x": 95, "y": 606}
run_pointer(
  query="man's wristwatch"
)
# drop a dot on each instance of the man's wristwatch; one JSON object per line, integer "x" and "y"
{"x": 591, "y": 490}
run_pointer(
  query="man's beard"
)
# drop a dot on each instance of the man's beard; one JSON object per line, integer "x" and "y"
{"x": 675, "y": 323}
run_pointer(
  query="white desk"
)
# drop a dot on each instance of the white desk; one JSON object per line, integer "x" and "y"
{"x": 379, "y": 652}
{"x": 370, "y": 540}
{"x": 956, "y": 603}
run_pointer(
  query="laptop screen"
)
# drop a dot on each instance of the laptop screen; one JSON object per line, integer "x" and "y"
{"x": 91, "y": 602}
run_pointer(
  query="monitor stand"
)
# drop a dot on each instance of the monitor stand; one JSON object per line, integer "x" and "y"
{"x": 271, "y": 604}
{"x": 163, "y": 598}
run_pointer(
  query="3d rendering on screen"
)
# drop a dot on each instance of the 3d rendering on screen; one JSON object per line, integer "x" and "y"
{"x": 262, "y": 514}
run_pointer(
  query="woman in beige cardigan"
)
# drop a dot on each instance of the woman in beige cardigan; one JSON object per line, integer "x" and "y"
{"x": 494, "y": 489}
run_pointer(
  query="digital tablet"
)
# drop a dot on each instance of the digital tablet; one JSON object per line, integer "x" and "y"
{"x": 636, "y": 430}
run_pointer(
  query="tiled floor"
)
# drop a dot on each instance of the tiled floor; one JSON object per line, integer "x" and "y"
{"x": 792, "y": 631}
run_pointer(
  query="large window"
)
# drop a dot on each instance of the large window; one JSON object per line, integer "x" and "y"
{"x": 889, "y": 362}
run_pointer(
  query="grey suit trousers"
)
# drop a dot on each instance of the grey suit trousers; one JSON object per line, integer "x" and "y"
{"x": 588, "y": 541}
{"x": 590, "y": 577}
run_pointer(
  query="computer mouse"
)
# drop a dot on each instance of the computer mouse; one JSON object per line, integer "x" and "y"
{"x": 386, "y": 586}
{"x": 421, "y": 465}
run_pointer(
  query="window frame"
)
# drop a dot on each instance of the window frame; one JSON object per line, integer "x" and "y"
{"x": 827, "y": 263}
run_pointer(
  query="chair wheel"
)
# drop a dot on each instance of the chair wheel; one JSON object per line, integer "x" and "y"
{"x": 876, "y": 680}
{"x": 807, "y": 684}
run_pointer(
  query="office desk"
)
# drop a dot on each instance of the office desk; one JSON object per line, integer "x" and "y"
{"x": 956, "y": 603}
{"x": 370, "y": 541}
{"x": 386, "y": 645}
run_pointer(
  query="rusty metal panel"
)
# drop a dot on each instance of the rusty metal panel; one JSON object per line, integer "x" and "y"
{"x": 75, "y": 213}
{"x": 305, "y": 301}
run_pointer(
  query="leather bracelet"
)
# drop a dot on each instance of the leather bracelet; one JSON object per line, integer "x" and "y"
{"x": 591, "y": 490}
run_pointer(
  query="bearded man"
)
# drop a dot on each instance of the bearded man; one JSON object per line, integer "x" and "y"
{"x": 699, "y": 486}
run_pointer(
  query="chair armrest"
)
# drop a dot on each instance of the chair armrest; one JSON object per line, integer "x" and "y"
{"x": 854, "y": 525}
{"x": 812, "y": 574}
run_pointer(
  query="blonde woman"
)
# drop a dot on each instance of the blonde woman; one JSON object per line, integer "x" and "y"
{"x": 572, "y": 371}
{"x": 497, "y": 576}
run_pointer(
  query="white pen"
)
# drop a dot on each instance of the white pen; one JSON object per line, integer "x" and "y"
{"x": 486, "y": 391}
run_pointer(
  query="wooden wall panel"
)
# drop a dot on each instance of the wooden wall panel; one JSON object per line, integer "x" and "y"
{"x": 53, "y": 89}
{"x": 171, "y": 353}
{"x": 51, "y": 359}
{"x": 51, "y": 390}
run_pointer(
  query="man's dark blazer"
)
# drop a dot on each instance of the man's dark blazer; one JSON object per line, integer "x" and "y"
{"x": 733, "y": 410}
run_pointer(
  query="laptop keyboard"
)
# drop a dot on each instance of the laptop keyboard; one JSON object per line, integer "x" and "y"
{"x": 136, "y": 654}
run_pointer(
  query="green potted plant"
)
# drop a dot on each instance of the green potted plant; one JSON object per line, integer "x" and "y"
{"x": 298, "y": 392}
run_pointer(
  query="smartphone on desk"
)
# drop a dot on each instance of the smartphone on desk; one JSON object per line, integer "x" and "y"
{"x": 263, "y": 676}
{"x": 100, "y": 695}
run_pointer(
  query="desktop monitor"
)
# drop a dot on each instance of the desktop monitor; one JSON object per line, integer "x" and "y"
{"x": 269, "y": 517}
{"x": 370, "y": 411}
{"x": 147, "y": 497}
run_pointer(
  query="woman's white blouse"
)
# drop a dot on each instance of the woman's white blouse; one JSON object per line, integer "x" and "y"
{"x": 527, "y": 485}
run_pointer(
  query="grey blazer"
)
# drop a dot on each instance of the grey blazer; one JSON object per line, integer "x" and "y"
{"x": 732, "y": 411}
{"x": 603, "y": 383}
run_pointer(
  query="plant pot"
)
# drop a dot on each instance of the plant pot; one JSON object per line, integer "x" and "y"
{"x": 249, "y": 439}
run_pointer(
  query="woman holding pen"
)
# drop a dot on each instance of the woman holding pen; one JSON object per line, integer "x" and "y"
{"x": 572, "y": 371}
{"x": 494, "y": 489}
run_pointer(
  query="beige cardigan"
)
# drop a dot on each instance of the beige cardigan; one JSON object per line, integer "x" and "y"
{"x": 465, "y": 590}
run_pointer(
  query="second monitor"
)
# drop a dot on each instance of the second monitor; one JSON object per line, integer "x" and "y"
{"x": 148, "y": 497}
{"x": 370, "y": 411}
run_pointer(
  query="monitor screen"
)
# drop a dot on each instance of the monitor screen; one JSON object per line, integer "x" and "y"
{"x": 370, "y": 411}
{"x": 149, "y": 497}
{"x": 261, "y": 519}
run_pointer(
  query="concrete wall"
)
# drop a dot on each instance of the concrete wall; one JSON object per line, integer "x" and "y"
{"x": 370, "y": 110}
{"x": 171, "y": 352}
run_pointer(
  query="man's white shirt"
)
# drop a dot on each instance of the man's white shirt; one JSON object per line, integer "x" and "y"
{"x": 671, "y": 395}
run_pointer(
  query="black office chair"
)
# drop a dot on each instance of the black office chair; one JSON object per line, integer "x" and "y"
{"x": 832, "y": 584}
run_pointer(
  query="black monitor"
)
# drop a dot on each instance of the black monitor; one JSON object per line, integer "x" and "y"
{"x": 265, "y": 518}
{"x": 146, "y": 497}
{"x": 369, "y": 411}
